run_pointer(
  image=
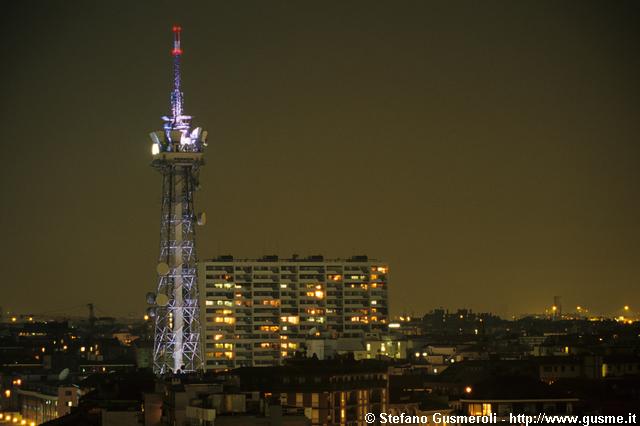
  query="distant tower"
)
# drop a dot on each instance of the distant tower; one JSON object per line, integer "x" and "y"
{"x": 177, "y": 154}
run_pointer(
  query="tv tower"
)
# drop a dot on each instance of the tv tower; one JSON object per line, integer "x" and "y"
{"x": 177, "y": 154}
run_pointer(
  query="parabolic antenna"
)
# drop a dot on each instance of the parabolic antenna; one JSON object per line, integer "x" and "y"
{"x": 162, "y": 299}
{"x": 151, "y": 298}
{"x": 162, "y": 269}
{"x": 63, "y": 374}
{"x": 151, "y": 311}
{"x": 154, "y": 138}
{"x": 202, "y": 218}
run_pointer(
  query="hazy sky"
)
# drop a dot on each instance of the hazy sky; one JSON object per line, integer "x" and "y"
{"x": 487, "y": 150}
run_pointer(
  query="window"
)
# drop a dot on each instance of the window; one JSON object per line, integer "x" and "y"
{"x": 480, "y": 409}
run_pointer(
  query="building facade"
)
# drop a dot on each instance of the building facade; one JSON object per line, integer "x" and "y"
{"x": 256, "y": 312}
{"x": 332, "y": 393}
{"x": 40, "y": 403}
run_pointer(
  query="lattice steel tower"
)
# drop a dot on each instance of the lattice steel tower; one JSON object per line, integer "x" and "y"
{"x": 177, "y": 154}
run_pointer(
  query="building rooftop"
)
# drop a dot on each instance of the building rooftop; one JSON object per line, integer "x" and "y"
{"x": 294, "y": 258}
{"x": 515, "y": 388}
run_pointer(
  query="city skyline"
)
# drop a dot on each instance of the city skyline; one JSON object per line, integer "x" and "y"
{"x": 486, "y": 153}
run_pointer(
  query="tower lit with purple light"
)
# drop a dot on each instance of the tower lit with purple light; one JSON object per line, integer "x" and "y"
{"x": 177, "y": 154}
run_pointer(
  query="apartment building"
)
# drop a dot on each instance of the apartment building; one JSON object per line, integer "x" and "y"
{"x": 256, "y": 312}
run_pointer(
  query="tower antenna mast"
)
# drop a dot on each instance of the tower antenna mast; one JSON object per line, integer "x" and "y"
{"x": 177, "y": 154}
{"x": 176, "y": 95}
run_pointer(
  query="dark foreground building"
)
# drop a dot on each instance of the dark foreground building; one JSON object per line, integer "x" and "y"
{"x": 303, "y": 392}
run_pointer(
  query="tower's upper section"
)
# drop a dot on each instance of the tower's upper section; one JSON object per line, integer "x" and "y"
{"x": 177, "y": 135}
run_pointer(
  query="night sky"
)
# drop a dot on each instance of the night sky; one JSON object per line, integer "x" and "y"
{"x": 487, "y": 150}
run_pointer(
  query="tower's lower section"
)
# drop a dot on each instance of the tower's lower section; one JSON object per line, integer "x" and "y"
{"x": 177, "y": 327}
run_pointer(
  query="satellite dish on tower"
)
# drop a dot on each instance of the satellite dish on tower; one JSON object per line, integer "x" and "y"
{"x": 151, "y": 298}
{"x": 162, "y": 299}
{"x": 195, "y": 134}
{"x": 162, "y": 269}
{"x": 63, "y": 374}
{"x": 201, "y": 218}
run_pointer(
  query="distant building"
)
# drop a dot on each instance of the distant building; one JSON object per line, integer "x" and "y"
{"x": 553, "y": 368}
{"x": 371, "y": 346}
{"x": 256, "y": 312}
{"x": 505, "y": 396}
{"x": 125, "y": 337}
{"x": 620, "y": 365}
{"x": 502, "y": 407}
{"x": 41, "y": 402}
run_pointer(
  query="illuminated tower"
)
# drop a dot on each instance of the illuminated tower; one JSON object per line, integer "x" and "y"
{"x": 177, "y": 154}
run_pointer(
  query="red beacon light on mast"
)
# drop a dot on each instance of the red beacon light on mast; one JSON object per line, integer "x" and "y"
{"x": 176, "y": 40}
